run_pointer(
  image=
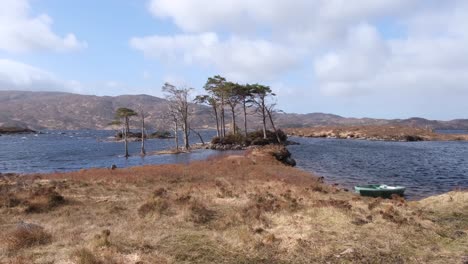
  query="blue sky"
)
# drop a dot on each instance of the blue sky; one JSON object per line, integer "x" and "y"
{"x": 364, "y": 58}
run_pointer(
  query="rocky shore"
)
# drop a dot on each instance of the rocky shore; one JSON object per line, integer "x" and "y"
{"x": 381, "y": 133}
{"x": 280, "y": 152}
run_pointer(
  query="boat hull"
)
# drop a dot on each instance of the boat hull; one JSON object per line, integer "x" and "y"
{"x": 380, "y": 190}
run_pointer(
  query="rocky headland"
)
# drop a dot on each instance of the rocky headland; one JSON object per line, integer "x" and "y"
{"x": 383, "y": 133}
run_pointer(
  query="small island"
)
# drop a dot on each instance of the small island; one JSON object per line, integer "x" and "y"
{"x": 15, "y": 130}
{"x": 136, "y": 136}
{"x": 382, "y": 133}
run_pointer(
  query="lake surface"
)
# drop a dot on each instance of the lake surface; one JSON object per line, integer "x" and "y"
{"x": 426, "y": 168}
{"x": 57, "y": 151}
{"x": 452, "y": 131}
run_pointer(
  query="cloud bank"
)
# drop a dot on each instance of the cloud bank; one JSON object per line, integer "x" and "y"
{"x": 19, "y": 76}
{"x": 348, "y": 46}
{"x": 21, "y": 32}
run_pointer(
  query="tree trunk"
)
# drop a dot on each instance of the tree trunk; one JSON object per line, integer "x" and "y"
{"x": 264, "y": 119}
{"x": 273, "y": 126}
{"x": 143, "y": 151}
{"x": 185, "y": 123}
{"x": 223, "y": 124}
{"x": 199, "y": 136}
{"x": 126, "y": 142}
{"x": 127, "y": 124}
{"x": 218, "y": 134}
{"x": 176, "y": 135}
{"x": 186, "y": 138}
{"x": 234, "y": 126}
{"x": 245, "y": 119}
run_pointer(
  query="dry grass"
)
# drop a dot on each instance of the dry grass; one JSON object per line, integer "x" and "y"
{"x": 84, "y": 256}
{"x": 25, "y": 236}
{"x": 30, "y": 198}
{"x": 236, "y": 209}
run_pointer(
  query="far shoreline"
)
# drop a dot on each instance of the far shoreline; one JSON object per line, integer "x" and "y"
{"x": 375, "y": 133}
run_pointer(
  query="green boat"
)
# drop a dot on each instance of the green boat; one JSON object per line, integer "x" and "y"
{"x": 379, "y": 190}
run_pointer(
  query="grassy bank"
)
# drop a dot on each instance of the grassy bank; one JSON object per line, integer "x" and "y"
{"x": 236, "y": 209}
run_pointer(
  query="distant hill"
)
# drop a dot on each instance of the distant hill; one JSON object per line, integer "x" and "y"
{"x": 57, "y": 110}
{"x": 320, "y": 119}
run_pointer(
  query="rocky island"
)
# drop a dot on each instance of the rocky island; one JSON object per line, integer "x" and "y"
{"x": 385, "y": 133}
{"x": 15, "y": 130}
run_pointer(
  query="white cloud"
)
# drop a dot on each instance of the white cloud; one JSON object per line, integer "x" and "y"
{"x": 311, "y": 20}
{"x": 297, "y": 28}
{"x": 343, "y": 72}
{"x": 22, "y": 32}
{"x": 238, "y": 58}
{"x": 425, "y": 62}
{"x": 19, "y": 76}
{"x": 410, "y": 53}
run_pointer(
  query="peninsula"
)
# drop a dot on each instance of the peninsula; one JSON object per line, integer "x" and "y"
{"x": 237, "y": 209}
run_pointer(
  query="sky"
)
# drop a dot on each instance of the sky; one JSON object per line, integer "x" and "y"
{"x": 361, "y": 58}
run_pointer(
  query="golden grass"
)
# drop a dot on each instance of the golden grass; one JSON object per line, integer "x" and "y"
{"x": 26, "y": 235}
{"x": 236, "y": 209}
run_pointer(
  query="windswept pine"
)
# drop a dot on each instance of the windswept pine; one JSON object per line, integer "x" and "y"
{"x": 122, "y": 116}
{"x": 252, "y": 99}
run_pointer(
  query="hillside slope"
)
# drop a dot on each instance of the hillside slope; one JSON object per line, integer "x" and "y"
{"x": 56, "y": 110}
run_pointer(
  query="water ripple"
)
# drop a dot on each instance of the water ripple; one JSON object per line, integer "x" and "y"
{"x": 425, "y": 168}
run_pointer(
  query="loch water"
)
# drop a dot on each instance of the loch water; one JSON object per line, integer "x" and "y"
{"x": 61, "y": 151}
{"x": 425, "y": 168}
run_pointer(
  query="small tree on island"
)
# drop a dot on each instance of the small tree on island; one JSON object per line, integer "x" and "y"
{"x": 123, "y": 116}
{"x": 233, "y": 99}
{"x": 219, "y": 92}
{"x": 143, "y": 132}
{"x": 244, "y": 93}
{"x": 178, "y": 106}
{"x": 271, "y": 110}
{"x": 170, "y": 118}
{"x": 260, "y": 95}
{"x": 211, "y": 101}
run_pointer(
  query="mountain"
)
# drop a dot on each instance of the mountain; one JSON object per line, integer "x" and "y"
{"x": 57, "y": 110}
{"x": 320, "y": 119}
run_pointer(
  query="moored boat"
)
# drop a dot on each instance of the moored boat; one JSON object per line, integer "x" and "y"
{"x": 379, "y": 190}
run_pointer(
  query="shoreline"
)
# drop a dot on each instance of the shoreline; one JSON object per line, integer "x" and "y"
{"x": 222, "y": 153}
{"x": 375, "y": 133}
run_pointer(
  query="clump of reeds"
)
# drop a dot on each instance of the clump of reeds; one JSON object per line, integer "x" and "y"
{"x": 27, "y": 235}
